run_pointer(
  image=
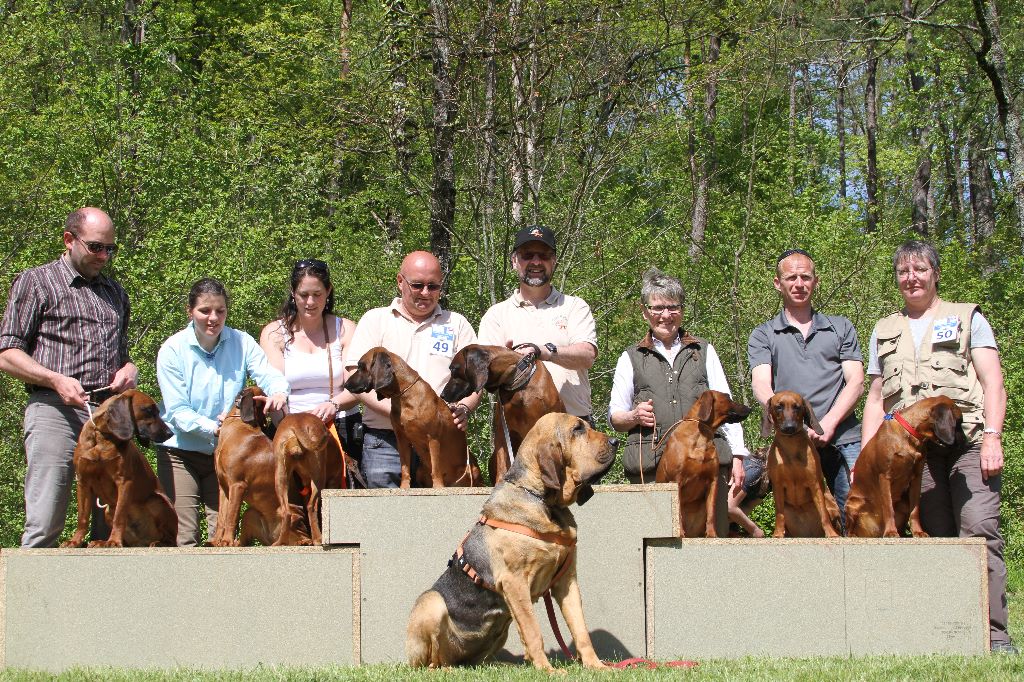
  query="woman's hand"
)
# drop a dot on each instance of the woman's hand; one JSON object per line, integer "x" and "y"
{"x": 326, "y": 411}
{"x": 276, "y": 402}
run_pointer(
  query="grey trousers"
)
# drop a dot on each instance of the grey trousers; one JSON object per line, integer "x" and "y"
{"x": 956, "y": 502}
{"x": 51, "y": 431}
{"x": 189, "y": 479}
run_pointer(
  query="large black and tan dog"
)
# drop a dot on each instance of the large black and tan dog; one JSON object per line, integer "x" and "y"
{"x": 523, "y": 387}
{"x": 523, "y": 545}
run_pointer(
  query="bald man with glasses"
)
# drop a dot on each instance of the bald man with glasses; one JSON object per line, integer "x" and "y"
{"x": 64, "y": 334}
{"x": 416, "y": 328}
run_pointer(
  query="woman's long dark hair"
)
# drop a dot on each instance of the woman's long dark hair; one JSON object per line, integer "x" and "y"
{"x": 308, "y": 267}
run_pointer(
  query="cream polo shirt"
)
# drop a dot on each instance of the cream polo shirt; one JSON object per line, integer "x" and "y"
{"x": 428, "y": 346}
{"x": 559, "y": 319}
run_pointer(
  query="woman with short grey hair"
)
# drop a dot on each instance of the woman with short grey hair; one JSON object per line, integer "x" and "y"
{"x": 657, "y": 381}
{"x": 931, "y": 348}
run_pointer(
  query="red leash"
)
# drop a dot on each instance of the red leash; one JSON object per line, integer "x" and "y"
{"x": 645, "y": 663}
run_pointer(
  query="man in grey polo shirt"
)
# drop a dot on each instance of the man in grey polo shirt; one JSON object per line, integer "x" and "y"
{"x": 818, "y": 356}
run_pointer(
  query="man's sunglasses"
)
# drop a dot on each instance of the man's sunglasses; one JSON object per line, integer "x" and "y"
{"x": 96, "y": 247}
{"x": 420, "y": 286}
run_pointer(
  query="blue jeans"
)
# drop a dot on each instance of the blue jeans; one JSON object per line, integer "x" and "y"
{"x": 837, "y": 462}
{"x": 381, "y": 465}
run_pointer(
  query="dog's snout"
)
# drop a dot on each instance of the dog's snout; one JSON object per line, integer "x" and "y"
{"x": 613, "y": 443}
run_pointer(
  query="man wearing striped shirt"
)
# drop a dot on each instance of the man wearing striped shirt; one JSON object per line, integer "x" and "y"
{"x": 64, "y": 335}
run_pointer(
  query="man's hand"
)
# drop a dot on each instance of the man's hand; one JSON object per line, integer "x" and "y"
{"x": 69, "y": 390}
{"x": 460, "y": 415}
{"x": 124, "y": 378}
{"x": 828, "y": 432}
{"x": 991, "y": 455}
{"x": 738, "y": 475}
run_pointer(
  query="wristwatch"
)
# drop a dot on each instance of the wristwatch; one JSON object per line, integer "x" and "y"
{"x": 552, "y": 348}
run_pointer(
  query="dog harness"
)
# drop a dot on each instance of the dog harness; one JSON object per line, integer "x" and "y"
{"x": 555, "y": 538}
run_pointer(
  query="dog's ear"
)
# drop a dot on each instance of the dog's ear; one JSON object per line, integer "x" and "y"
{"x": 382, "y": 371}
{"x": 247, "y": 408}
{"x": 115, "y": 419}
{"x": 477, "y": 368}
{"x": 810, "y": 419}
{"x": 767, "y": 427}
{"x": 552, "y": 470}
{"x": 944, "y": 424}
{"x": 705, "y": 407}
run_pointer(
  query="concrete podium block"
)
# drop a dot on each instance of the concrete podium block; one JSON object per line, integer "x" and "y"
{"x": 406, "y": 538}
{"x": 165, "y": 607}
{"x": 727, "y": 598}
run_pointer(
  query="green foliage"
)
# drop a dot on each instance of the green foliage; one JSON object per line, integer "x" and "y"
{"x": 228, "y": 143}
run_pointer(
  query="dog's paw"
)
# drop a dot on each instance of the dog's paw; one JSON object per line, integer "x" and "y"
{"x": 921, "y": 534}
{"x": 104, "y": 543}
{"x": 70, "y": 544}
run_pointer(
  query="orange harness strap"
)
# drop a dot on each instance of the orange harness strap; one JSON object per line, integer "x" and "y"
{"x": 554, "y": 538}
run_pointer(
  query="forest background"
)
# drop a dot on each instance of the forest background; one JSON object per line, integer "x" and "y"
{"x": 229, "y": 138}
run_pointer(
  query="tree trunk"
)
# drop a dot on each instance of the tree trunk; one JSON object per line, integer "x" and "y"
{"x": 702, "y": 160}
{"x": 403, "y": 128}
{"x": 442, "y": 186}
{"x": 791, "y": 152}
{"x": 871, "y": 128}
{"x": 841, "y": 125}
{"x": 345, "y": 57}
{"x": 980, "y": 187}
{"x": 991, "y": 57}
{"x": 923, "y": 170}
{"x": 525, "y": 105}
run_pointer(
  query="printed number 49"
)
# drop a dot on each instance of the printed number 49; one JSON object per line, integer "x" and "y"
{"x": 441, "y": 346}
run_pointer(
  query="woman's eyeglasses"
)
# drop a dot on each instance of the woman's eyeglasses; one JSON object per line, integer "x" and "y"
{"x": 659, "y": 309}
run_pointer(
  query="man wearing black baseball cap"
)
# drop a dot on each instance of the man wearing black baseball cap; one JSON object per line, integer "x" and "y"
{"x": 562, "y": 326}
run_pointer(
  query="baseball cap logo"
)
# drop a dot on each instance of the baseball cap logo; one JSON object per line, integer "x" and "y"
{"x": 536, "y": 232}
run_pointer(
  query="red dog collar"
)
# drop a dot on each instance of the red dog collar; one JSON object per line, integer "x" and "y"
{"x": 904, "y": 423}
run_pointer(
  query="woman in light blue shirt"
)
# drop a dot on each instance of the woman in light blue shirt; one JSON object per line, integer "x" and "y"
{"x": 200, "y": 371}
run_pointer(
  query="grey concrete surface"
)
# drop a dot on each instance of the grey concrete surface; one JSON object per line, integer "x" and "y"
{"x": 732, "y": 598}
{"x": 405, "y": 539}
{"x": 194, "y": 607}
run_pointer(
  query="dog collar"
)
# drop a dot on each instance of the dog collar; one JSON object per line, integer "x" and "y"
{"x": 898, "y": 418}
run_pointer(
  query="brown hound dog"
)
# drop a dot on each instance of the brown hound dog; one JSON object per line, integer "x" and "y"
{"x": 804, "y": 508}
{"x": 691, "y": 460}
{"x": 522, "y": 546}
{"x": 245, "y": 465}
{"x": 886, "y": 492}
{"x": 110, "y": 467}
{"x": 306, "y": 453}
{"x": 421, "y": 420}
{"x": 522, "y": 385}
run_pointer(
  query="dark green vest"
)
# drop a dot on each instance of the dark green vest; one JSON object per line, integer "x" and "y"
{"x": 673, "y": 389}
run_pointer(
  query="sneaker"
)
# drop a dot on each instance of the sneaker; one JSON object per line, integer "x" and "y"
{"x": 1005, "y": 648}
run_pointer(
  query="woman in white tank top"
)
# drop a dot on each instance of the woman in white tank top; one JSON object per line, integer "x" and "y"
{"x": 306, "y": 343}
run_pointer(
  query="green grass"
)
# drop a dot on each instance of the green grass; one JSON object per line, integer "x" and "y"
{"x": 993, "y": 668}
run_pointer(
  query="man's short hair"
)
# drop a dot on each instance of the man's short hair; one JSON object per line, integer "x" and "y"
{"x": 915, "y": 250}
{"x": 74, "y": 222}
{"x": 657, "y": 283}
{"x": 792, "y": 252}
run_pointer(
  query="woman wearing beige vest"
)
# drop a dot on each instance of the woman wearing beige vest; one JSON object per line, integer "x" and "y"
{"x": 933, "y": 347}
